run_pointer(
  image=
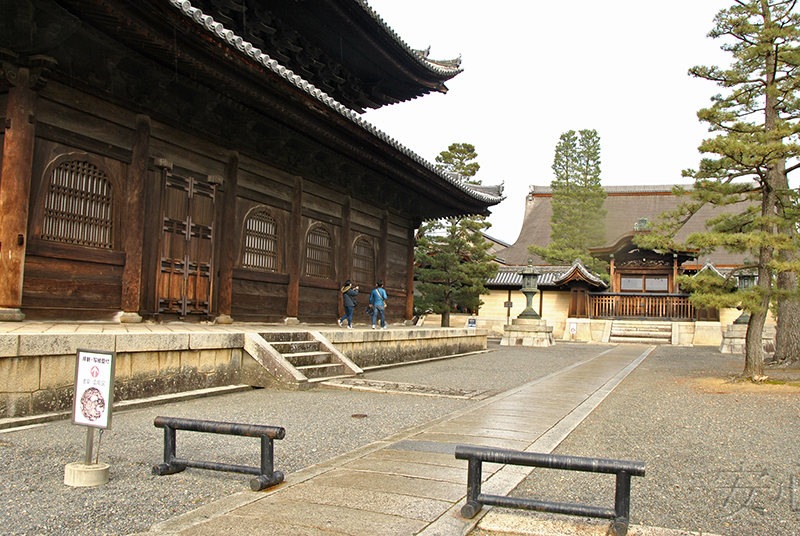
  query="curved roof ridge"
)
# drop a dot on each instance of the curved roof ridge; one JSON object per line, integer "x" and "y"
{"x": 580, "y": 268}
{"x": 246, "y": 48}
{"x": 442, "y": 68}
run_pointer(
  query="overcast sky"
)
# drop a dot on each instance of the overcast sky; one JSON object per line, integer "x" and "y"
{"x": 534, "y": 69}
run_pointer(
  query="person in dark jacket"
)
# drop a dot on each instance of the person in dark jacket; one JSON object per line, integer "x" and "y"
{"x": 349, "y": 293}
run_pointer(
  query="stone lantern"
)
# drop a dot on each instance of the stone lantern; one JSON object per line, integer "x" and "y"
{"x": 530, "y": 280}
{"x": 528, "y": 329}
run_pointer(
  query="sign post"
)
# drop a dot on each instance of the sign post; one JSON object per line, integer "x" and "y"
{"x": 92, "y": 407}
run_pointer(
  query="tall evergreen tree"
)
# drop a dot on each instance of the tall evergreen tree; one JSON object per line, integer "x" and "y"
{"x": 459, "y": 158}
{"x": 451, "y": 255}
{"x": 756, "y": 121}
{"x": 578, "y": 220}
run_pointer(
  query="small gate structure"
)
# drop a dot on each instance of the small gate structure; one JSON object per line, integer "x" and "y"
{"x": 623, "y": 469}
{"x": 266, "y": 476}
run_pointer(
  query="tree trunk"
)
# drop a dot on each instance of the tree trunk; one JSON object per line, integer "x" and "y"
{"x": 787, "y": 340}
{"x": 754, "y": 348}
{"x": 446, "y": 318}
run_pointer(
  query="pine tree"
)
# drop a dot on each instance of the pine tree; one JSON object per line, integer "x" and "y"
{"x": 756, "y": 121}
{"x": 458, "y": 158}
{"x": 451, "y": 255}
{"x": 578, "y": 220}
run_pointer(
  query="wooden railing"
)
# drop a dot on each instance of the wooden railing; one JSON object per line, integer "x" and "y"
{"x": 640, "y": 305}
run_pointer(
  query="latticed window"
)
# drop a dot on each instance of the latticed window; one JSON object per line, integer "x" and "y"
{"x": 260, "y": 243}
{"x": 79, "y": 206}
{"x": 363, "y": 263}
{"x": 319, "y": 254}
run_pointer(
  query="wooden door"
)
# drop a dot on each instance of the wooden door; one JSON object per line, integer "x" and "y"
{"x": 187, "y": 246}
{"x": 578, "y": 303}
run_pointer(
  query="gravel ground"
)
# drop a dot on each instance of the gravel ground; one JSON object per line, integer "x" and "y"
{"x": 721, "y": 457}
{"x": 318, "y": 423}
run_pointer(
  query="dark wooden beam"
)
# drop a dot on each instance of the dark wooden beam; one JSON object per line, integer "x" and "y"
{"x": 133, "y": 238}
{"x": 230, "y": 243}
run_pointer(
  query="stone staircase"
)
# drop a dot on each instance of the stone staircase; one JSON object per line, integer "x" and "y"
{"x": 641, "y": 332}
{"x": 308, "y": 355}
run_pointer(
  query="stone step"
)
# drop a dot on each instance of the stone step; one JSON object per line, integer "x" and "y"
{"x": 325, "y": 370}
{"x": 303, "y": 359}
{"x": 640, "y": 340}
{"x": 292, "y": 347}
{"x": 285, "y": 336}
{"x": 641, "y": 326}
{"x": 642, "y": 333}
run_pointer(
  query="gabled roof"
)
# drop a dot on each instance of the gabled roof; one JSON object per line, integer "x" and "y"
{"x": 204, "y": 53}
{"x": 510, "y": 277}
{"x": 625, "y": 205}
{"x": 578, "y": 272}
{"x": 341, "y": 46}
{"x": 490, "y": 195}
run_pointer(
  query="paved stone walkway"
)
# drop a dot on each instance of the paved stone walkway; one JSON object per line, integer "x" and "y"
{"x": 411, "y": 483}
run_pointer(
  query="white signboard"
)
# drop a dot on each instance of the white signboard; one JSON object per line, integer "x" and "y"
{"x": 94, "y": 388}
{"x": 573, "y": 328}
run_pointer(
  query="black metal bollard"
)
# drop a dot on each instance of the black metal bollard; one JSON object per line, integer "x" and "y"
{"x": 265, "y": 477}
{"x": 620, "y": 515}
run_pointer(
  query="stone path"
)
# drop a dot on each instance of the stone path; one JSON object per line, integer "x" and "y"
{"x": 411, "y": 483}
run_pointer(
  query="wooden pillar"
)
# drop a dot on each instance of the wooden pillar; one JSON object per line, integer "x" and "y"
{"x": 410, "y": 273}
{"x": 673, "y": 287}
{"x": 15, "y": 186}
{"x": 295, "y": 253}
{"x": 612, "y": 276}
{"x": 384, "y": 247}
{"x": 345, "y": 248}
{"x": 134, "y": 222}
{"x": 230, "y": 244}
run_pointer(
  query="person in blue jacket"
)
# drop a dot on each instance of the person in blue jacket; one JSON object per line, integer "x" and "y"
{"x": 349, "y": 293}
{"x": 378, "y": 301}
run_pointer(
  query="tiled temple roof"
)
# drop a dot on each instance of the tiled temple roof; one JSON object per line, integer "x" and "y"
{"x": 625, "y": 205}
{"x": 487, "y": 195}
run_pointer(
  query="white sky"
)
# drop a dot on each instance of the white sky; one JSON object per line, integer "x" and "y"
{"x": 534, "y": 69}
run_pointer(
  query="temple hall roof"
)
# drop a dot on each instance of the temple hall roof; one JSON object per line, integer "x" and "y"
{"x": 625, "y": 205}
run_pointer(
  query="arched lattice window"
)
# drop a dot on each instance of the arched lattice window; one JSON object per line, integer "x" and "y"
{"x": 260, "y": 242}
{"x": 319, "y": 254}
{"x": 79, "y": 207}
{"x": 363, "y": 263}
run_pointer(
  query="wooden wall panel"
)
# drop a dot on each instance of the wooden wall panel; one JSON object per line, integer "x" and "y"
{"x": 67, "y": 284}
{"x": 318, "y": 305}
{"x": 396, "y": 262}
{"x": 258, "y": 301}
{"x": 71, "y": 110}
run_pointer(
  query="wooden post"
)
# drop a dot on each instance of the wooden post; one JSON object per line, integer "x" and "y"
{"x": 612, "y": 276}
{"x": 230, "y": 244}
{"x": 410, "y": 274}
{"x": 134, "y": 222}
{"x": 382, "y": 260}
{"x": 672, "y": 286}
{"x": 15, "y": 186}
{"x": 345, "y": 249}
{"x": 295, "y": 252}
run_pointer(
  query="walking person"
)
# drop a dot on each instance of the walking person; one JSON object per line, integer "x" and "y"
{"x": 349, "y": 293}
{"x": 377, "y": 299}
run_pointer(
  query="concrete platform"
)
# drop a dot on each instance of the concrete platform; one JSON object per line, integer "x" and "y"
{"x": 411, "y": 483}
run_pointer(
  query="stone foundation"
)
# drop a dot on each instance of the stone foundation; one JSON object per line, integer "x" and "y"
{"x": 528, "y": 333}
{"x": 37, "y": 371}
{"x": 734, "y": 339}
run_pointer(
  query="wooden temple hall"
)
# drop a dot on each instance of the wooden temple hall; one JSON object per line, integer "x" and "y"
{"x": 166, "y": 159}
